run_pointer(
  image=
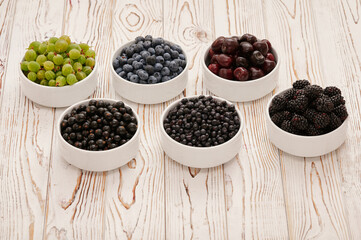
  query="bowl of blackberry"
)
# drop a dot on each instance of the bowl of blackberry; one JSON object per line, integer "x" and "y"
{"x": 98, "y": 134}
{"x": 201, "y": 131}
{"x": 58, "y": 72}
{"x": 149, "y": 70}
{"x": 307, "y": 120}
{"x": 242, "y": 68}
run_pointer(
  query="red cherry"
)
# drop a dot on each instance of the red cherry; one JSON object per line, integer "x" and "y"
{"x": 245, "y": 49}
{"x": 217, "y": 44}
{"x": 270, "y": 56}
{"x": 214, "y": 68}
{"x": 224, "y": 60}
{"x": 261, "y": 46}
{"x": 268, "y": 66}
{"x": 211, "y": 52}
{"x": 255, "y": 73}
{"x": 214, "y": 58}
{"x": 226, "y": 73}
{"x": 268, "y": 43}
{"x": 241, "y": 74}
{"x": 230, "y": 46}
{"x": 248, "y": 38}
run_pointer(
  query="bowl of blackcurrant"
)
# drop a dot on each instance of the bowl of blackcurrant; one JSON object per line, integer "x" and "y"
{"x": 240, "y": 69}
{"x": 149, "y": 70}
{"x": 307, "y": 120}
{"x": 58, "y": 72}
{"x": 98, "y": 134}
{"x": 201, "y": 131}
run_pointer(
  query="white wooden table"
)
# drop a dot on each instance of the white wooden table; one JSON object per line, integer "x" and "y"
{"x": 263, "y": 194}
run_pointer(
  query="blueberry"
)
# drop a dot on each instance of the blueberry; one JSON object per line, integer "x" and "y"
{"x": 173, "y": 75}
{"x": 122, "y": 74}
{"x": 134, "y": 78}
{"x": 129, "y": 75}
{"x": 138, "y": 48}
{"x": 130, "y": 61}
{"x": 123, "y": 60}
{"x": 147, "y": 44}
{"x": 183, "y": 63}
{"x": 115, "y": 63}
{"x": 143, "y": 75}
{"x": 129, "y": 51}
{"x": 157, "y": 41}
{"x": 151, "y": 51}
{"x": 159, "y": 59}
{"x": 177, "y": 48}
{"x": 139, "y": 38}
{"x": 137, "y": 57}
{"x": 137, "y": 65}
{"x": 159, "y": 50}
{"x": 143, "y": 82}
{"x": 150, "y": 60}
{"x": 152, "y": 80}
{"x": 181, "y": 56}
{"x": 158, "y": 67}
{"x": 166, "y": 63}
{"x": 142, "y": 61}
{"x": 127, "y": 68}
{"x": 118, "y": 70}
{"x": 150, "y": 69}
{"x": 148, "y": 38}
{"x": 165, "y": 79}
{"x": 174, "y": 54}
{"x": 165, "y": 71}
{"x": 166, "y": 56}
{"x": 158, "y": 76}
{"x": 145, "y": 54}
{"x": 167, "y": 49}
{"x": 180, "y": 70}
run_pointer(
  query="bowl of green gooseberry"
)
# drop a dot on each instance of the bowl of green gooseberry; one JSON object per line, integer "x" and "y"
{"x": 58, "y": 72}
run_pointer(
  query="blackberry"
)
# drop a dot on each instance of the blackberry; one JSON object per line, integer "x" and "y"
{"x": 321, "y": 120}
{"x": 341, "y": 112}
{"x": 298, "y": 93}
{"x": 313, "y": 131}
{"x": 299, "y": 122}
{"x": 331, "y": 91}
{"x": 300, "y": 84}
{"x": 279, "y": 102}
{"x": 310, "y": 114}
{"x": 298, "y": 105}
{"x": 288, "y": 127}
{"x": 313, "y": 91}
{"x": 335, "y": 122}
{"x": 288, "y": 94}
{"x": 337, "y": 100}
{"x": 324, "y": 104}
{"x": 272, "y": 110}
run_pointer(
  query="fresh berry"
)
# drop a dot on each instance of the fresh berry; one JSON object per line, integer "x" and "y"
{"x": 298, "y": 105}
{"x": 270, "y": 56}
{"x": 299, "y": 122}
{"x": 214, "y": 68}
{"x": 279, "y": 102}
{"x": 224, "y": 60}
{"x": 290, "y": 93}
{"x": 217, "y": 45}
{"x": 321, "y": 120}
{"x": 241, "y": 74}
{"x": 229, "y": 45}
{"x": 279, "y": 117}
{"x": 226, "y": 73}
{"x": 310, "y": 114}
{"x": 341, "y": 112}
{"x": 313, "y": 131}
{"x": 300, "y": 84}
{"x": 324, "y": 104}
{"x": 332, "y": 91}
{"x": 288, "y": 127}
{"x": 248, "y": 38}
{"x": 246, "y": 49}
{"x": 241, "y": 62}
{"x": 337, "y": 100}
{"x": 257, "y": 59}
{"x": 267, "y": 42}
{"x": 255, "y": 73}
{"x": 313, "y": 91}
{"x": 211, "y": 52}
{"x": 335, "y": 121}
{"x": 268, "y": 65}
{"x": 261, "y": 46}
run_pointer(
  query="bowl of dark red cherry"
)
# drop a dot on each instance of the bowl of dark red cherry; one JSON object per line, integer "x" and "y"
{"x": 307, "y": 120}
{"x": 98, "y": 134}
{"x": 240, "y": 69}
{"x": 201, "y": 131}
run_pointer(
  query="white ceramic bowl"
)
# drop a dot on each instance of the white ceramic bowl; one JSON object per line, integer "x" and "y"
{"x": 148, "y": 93}
{"x": 200, "y": 157}
{"x": 98, "y": 160}
{"x": 240, "y": 91}
{"x": 304, "y": 146}
{"x": 59, "y": 96}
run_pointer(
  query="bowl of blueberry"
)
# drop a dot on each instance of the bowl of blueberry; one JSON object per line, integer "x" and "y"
{"x": 149, "y": 70}
{"x": 201, "y": 131}
{"x": 98, "y": 134}
{"x": 240, "y": 69}
{"x": 58, "y": 72}
{"x": 307, "y": 120}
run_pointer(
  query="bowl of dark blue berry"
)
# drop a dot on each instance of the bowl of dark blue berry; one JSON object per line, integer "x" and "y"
{"x": 307, "y": 120}
{"x": 201, "y": 131}
{"x": 241, "y": 68}
{"x": 98, "y": 134}
{"x": 149, "y": 70}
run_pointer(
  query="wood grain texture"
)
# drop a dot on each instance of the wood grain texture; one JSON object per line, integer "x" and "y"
{"x": 76, "y": 199}
{"x": 314, "y": 203}
{"x": 135, "y": 193}
{"x": 253, "y": 183}
{"x": 25, "y": 129}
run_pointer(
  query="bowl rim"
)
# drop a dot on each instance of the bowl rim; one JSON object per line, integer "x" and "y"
{"x": 146, "y": 85}
{"x": 135, "y": 136}
{"x": 172, "y": 105}
{"x": 63, "y": 87}
{"x": 268, "y": 117}
{"x": 248, "y": 82}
